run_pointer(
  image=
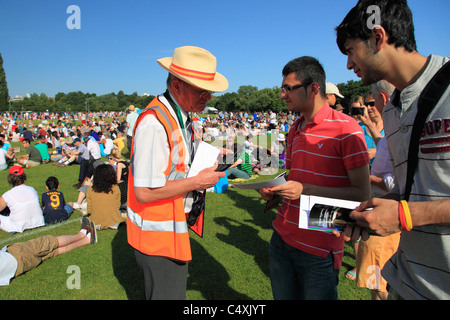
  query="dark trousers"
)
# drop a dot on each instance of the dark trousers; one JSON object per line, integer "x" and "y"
{"x": 129, "y": 140}
{"x": 295, "y": 274}
{"x": 164, "y": 279}
{"x": 86, "y": 169}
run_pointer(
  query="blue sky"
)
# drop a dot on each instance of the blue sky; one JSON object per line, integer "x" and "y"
{"x": 119, "y": 41}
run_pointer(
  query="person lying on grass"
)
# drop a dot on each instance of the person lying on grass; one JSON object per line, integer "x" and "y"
{"x": 20, "y": 257}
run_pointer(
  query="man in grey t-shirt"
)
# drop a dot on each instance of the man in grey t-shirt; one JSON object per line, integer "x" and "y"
{"x": 421, "y": 267}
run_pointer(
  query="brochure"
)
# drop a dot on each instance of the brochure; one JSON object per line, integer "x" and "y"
{"x": 277, "y": 181}
{"x": 325, "y": 214}
{"x": 205, "y": 157}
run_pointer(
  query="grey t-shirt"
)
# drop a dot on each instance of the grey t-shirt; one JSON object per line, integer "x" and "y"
{"x": 421, "y": 267}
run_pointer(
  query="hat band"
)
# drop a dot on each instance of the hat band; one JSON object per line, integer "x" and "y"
{"x": 192, "y": 73}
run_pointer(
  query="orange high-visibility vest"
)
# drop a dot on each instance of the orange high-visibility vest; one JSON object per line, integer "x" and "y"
{"x": 159, "y": 228}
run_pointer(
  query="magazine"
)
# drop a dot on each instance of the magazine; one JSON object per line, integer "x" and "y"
{"x": 325, "y": 214}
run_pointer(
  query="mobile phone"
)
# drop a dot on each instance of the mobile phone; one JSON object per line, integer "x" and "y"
{"x": 357, "y": 111}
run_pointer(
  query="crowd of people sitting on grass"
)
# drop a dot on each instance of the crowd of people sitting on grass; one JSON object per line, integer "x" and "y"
{"x": 102, "y": 184}
{"x": 63, "y": 141}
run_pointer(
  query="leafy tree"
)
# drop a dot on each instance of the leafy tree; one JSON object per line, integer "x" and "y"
{"x": 4, "y": 94}
{"x": 247, "y": 98}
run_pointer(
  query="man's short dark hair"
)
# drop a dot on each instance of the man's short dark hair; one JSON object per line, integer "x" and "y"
{"x": 308, "y": 70}
{"x": 52, "y": 183}
{"x": 26, "y": 140}
{"x": 395, "y": 17}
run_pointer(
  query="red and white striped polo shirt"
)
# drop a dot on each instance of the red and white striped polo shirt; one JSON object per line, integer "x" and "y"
{"x": 320, "y": 154}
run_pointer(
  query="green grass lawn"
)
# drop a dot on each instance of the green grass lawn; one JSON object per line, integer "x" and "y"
{"x": 230, "y": 262}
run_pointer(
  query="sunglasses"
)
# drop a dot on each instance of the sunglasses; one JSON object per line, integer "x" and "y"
{"x": 287, "y": 88}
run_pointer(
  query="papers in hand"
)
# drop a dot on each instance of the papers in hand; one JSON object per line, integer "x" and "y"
{"x": 277, "y": 181}
{"x": 324, "y": 214}
{"x": 205, "y": 157}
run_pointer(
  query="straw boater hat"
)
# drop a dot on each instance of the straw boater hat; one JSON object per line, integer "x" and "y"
{"x": 195, "y": 66}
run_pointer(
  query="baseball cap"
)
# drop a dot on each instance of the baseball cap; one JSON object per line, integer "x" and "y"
{"x": 16, "y": 170}
{"x": 333, "y": 89}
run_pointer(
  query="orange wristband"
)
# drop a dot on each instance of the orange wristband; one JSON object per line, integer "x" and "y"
{"x": 407, "y": 214}
{"x": 401, "y": 217}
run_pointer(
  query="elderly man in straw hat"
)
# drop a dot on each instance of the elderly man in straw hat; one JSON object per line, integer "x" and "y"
{"x": 162, "y": 201}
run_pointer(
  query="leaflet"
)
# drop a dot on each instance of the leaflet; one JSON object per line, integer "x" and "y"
{"x": 325, "y": 214}
{"x": 277, "y": 181}
{"x": 205, "y": 157}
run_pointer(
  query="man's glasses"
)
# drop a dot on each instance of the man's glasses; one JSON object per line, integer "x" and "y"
{"x": 370, "y": 104}
{"x": 287, "y": 88}
{"x": 204, "y": 94}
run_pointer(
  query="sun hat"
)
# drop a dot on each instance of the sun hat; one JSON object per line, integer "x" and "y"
{"x": 69, "y": 140}
{"x": 333, "y": 89}
{"x": 131, "y": 107}
{"x": 195, "y": 66}
{"x": 16, "y": 170}
{"x": 281, "y": 137}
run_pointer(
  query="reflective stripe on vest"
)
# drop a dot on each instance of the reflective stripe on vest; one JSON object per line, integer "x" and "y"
{"x": 159, "y": 228}
{"x": 147, "y": 225}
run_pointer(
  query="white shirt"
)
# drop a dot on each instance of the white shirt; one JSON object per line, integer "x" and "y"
{"x": 2, "y": 156}
{"x": 382, "y": 167}
{"x": 94, "y": 148}
{"x": 131, "y": 120}
{"x": 151, "y": 162}
{"x": 8, "y": 267}
{"x": 26, "y": 212}
{"x": 109, "y": 144}
{"x": 273, "y": 118}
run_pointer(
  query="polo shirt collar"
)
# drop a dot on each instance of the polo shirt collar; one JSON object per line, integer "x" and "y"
{"x": 323, "y": 113}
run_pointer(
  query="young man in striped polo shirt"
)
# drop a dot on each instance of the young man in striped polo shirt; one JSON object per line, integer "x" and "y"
{"x": 327, "y": 156}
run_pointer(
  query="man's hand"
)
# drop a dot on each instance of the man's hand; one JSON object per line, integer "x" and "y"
{"x": 377, "y": 215}
{"x": 290, "y": 191}
{"x": 208, "y": 177}
{"x": 266, "y": 194}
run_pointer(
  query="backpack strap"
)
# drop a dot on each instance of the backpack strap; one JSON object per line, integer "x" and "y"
{"x": 428, "y": 99}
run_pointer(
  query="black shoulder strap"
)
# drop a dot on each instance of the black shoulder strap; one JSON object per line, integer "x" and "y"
{"x": 428, "y": 99}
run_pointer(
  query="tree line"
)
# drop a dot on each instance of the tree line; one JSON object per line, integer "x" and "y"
{"x": 78, "y": 101}
{"x": 247, "y": 98}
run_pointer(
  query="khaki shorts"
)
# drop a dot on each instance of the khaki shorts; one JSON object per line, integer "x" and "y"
{"x": 31, "y": 163}
{"x": 371, "y": 257}
{"x": 31, "y": 253}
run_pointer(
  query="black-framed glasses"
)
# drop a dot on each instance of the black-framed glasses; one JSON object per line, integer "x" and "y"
{"x": 370, "y": 104}
{"x": 287, "y": 88}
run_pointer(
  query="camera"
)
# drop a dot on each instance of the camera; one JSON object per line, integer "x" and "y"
{"x": 198, "y": 206}
{"x": 357, "y": 111}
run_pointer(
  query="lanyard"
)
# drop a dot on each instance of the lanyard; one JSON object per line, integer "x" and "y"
{"x": 175, "y": 108}
{"x": 180, "y": 120}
